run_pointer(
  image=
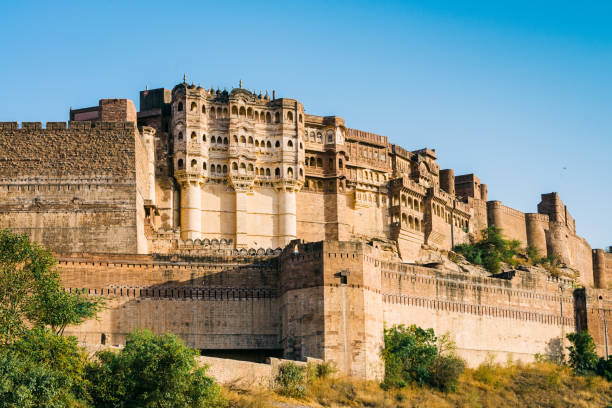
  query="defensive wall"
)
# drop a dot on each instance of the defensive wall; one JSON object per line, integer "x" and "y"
{"x": 72, "y": 187}
{"x": 328, "y": 300}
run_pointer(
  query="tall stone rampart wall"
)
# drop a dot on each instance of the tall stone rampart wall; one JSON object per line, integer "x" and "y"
{"x": 212, "y": 304}
{"x": 484, "y": 316}
{"x": 72, "y": 188}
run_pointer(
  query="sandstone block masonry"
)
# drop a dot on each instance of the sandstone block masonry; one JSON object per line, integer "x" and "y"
{"x": 245, "y": 224}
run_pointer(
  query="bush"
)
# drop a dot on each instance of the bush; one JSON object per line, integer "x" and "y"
{"x": 491, "y": 250}
{"x": 290, "y": 380}
{"x": 152, "y": 371}
{"x": 320, "y": 371}
{"x": 414, "y": 355}
{"x": 446, "y": 371}
{"x": 582, "y": 356}
{"x": 604, "y": 368}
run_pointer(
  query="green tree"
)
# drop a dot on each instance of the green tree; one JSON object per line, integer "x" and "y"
{"x": 582, "y": 355}
{"x": 42, "y": 369}
{"x": 151, "y": 371}
{"x": 31, "y": 293}
{"x": 409, "y": 355}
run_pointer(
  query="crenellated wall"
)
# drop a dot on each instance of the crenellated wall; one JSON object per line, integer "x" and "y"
{"x": 75, "y": 188}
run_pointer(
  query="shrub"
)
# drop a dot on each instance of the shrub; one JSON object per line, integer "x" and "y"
{"x": 290, "y": 380}
{"x": 604, "y": 368}
{"x": 490, "y": 250}
{"x": 445, "y": 372}
{"x": 582, "y": 355}
{"x": 152, "y": 371}
{"x": 320, "y": 371}
{"x": 414, "y": 355}
{"x": 409, "y": 354}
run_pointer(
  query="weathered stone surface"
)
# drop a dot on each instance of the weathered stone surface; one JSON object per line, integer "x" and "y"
{"x": 188, "y": 215}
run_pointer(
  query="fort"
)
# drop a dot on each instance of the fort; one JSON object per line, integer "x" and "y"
{"x": 253, "y": 229}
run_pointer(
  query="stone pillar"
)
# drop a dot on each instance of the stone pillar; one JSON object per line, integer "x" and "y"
{"x": 287, "y": 230}
{"x": 241, "y": 219}
{"x": 191, "y": 206}
{"x": 243, "y": 185}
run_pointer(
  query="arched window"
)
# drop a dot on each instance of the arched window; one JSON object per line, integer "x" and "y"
{"x": 242, "y": 111}
{"x": 277, "y": 172}
{"x": 268, "y": 117}
{"x": 268, "y": 172}
{"x": 225, "y": 112}
{"x": 225, "y": 169}
{"x": 242, "y": 168}
{"x": 277, "y": 117}
{"x": 235, "y": 139}
{"x": 203, "y": 165}
{"x": 340, "y": 163}
{"x": 290, "y": 172}
{"x": 212, "y": 112}
{"x": 301, "y": 172}
{"x": 219, "y": 168}
{"x": 416, "y": 225}
{"x": 212, "y": 168}
{"x": 203, "y": 109}
{"x": 180, "y": 136}
{"x": 250, "y": 112}
{"x": 411, "y": 222}
{"x": 242, "y": 139}
{"x": 179, "y": 107}
{"x": 250, "y": 167}
{"x": 234, "y": 110}
{"x": 180, "y": 164}
{"x": 269, "y": 145}
{"x": 312, "y": 136}
{"x": 225, "y": 141}
{"x": 330, "y": 136}
{"x": 312, "y": 162}
{"x": 403, "y": 200}
{"x": 250, "y": 140}
{"x": 203, "y": 137}
{"x": 194, "y": 163}
{"x": 290, "y": 143}
{"x": 256, "y": 143}
{"x": 234, "y": 166}
{"x": 319, "y": 163}
{"x": 290, "y": 116}
{"x": 277, "y": 144}
{"x": 193, "y": 136}
{"x": 301, "y": 146}
{"x": 213, "y": 140}
{"x": 256, "y": 116}
{"x": 194, "y": 106}
{"x": 319, "y": 137}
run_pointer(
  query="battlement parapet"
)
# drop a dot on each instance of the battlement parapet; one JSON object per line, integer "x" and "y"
{"x": 73, "y": 125}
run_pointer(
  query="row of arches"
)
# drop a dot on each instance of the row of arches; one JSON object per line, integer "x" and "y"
{"x": 411, "y": 202}
{"x": 412, "y": 223}
{"x": 241, "y": 168}
{"x": 219, "y": 112}
{"x": 243, "y": 140}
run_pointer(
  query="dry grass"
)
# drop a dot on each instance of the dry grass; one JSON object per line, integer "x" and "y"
{"x": 490, "y": 385}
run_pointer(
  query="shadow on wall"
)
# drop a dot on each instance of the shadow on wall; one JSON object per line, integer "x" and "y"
{"x": 228, "y": 311}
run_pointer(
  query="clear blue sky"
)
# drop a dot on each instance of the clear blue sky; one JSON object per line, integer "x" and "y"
{"x": 518, "y": 92}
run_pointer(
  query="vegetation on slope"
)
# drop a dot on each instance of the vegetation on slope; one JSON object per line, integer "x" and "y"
{"x": 412, "y": 379}
{"x": 491, "y": 250}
